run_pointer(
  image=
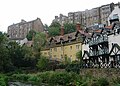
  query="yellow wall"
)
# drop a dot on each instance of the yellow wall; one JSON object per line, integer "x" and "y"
{"x": 68, "y": 50}
{"x": 71, "y": 50}
{"x": 45, "y": 52}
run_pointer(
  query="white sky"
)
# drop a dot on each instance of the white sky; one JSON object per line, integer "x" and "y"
{"x": 12, "y": 11}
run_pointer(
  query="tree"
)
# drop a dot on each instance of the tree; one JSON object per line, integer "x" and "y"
{"x": 54, "y": 29}
{"x": 16, "y": 55}
{"x": 39, "y": 41}
{"x": 42, "y": 63}
{"x": 46, "y": 27}
{"x": 30, "y": 35}
{"x": 5, "y": 61}
{"x": 69, "y": 28}
{"x": 55, "y": 24}
{"x": 79, "y": 55}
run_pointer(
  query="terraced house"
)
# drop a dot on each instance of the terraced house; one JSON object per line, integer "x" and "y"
{"x": 64, "y": 45}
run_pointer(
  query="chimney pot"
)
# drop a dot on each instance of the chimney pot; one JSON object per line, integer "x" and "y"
{"x": 78, "y": 26}
{"x": 62, "y": 30}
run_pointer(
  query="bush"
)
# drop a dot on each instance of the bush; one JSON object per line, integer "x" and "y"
{"x": 60, "y": 78}
{"x": 73, "y": 67}
{"x": 3, "y": 80}
{"x": 103, "y": 82}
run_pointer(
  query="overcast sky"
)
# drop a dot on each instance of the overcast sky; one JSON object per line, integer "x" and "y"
{"x": 12, "y": 11}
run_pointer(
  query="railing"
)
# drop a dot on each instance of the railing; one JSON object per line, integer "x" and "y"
{"x": 92, "y": 42}
{"x": 103, "y": 51}
{"x": 93, "y": 53}
{"x": 98, "y": 40}
{"x": 103, "y": 39}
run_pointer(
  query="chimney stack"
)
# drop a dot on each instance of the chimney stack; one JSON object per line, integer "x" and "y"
{"x": 78, "y": 26}
{"x": 62, "y": 30}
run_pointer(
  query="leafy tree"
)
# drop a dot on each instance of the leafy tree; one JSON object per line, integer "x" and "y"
{"x": 42, "y": 63}
{"x": 54, "y": 29}
{"x": 15, "y": 53}
{"x": 39, "y": 41}
{"x": 5, "y": 61}
{"x": 79, "y": 55}
{"x": 29, "y": 58}
{"x": 30, "y": 35}
{"x": 46, "y": 27}
{"x": 55, "y": 24}
{"x": 69, "y": 28}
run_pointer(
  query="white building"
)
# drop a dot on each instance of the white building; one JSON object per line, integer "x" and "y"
{"x": 114, "y": 16}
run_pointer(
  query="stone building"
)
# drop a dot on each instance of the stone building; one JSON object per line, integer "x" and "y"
{"x": 19, "y": 31}
{"x": 61, "y": 19}
{"x": 105, "y": 11}
{"x": 71, "y": 17}
{"x": 91, "y": 17}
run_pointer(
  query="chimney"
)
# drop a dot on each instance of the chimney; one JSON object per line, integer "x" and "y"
{"x": 62, "y": 30}
{"x": 78, "y": 26}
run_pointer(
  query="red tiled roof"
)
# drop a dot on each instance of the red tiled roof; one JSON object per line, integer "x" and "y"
{"x": 109, "y": 27}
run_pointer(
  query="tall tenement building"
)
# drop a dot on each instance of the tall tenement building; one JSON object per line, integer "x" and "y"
{"x": 19, "y": 31}
{"x": 89, "y": 18}
{"x": 61, "y": 19}
{"x": 105, "y": 11}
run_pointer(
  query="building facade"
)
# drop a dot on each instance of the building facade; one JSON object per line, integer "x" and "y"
{"x": 64, "y": 46}
{"x": 61, "y": 19}
{"x": 94, "y": 16}
{"x": 20, "y": 30}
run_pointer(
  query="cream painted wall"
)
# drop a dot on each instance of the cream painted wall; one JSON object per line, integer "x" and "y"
{"x": 58, "y": 53}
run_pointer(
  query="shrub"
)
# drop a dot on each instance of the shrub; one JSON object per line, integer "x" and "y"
{"x": 103, "y": 82}
{"x": 3, "y": 80}
{"x": 60, "y": 78}
{"x": 73, "y": 67}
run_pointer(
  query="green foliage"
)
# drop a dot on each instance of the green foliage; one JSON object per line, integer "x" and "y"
{"x": 73, "y": 67}
{"x": 54, "y": 28}
{"x": 69, "y": 28}
{"x": 54, "y": 31}
{"x": 30, "y": 35}
{"x": 42, "y": 63}
{"x": 60, "y": 78}
{"x": 103, "y": 82}
{"x": 5, "y": 61}
{"x": 55, "y": 24}
{"x": 3, "y": 80}
{"x": 79, "y": 55}
{"x": 39, "y": 41}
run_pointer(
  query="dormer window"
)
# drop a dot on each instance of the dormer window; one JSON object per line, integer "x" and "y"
{"x": 69, "y": 38}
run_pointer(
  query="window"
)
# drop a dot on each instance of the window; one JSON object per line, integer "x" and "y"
{"x": 77, "y": 47}
{"x": 45, "y": 53}
{"x": 70, "y": 47}
{"x": 55, "y": 49}
{"x": 50, "y": 50}
{"x": 61, "y": 48}
{"x": 61, "y": 56}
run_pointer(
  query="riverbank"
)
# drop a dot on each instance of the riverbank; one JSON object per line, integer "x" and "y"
{"x": 86, "y": 77}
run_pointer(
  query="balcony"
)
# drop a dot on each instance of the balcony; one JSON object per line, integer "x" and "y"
{"x": 93, "y": 42}
{"x": 93, "y": 53}
{"x": 103, "y": 51}
{"x": 102, "y": 39}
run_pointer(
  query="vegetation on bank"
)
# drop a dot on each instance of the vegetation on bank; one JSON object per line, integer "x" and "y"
{"x": 53, "y": 78}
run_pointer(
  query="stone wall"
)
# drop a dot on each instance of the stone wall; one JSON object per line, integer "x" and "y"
{"x": 109, "y": 73}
